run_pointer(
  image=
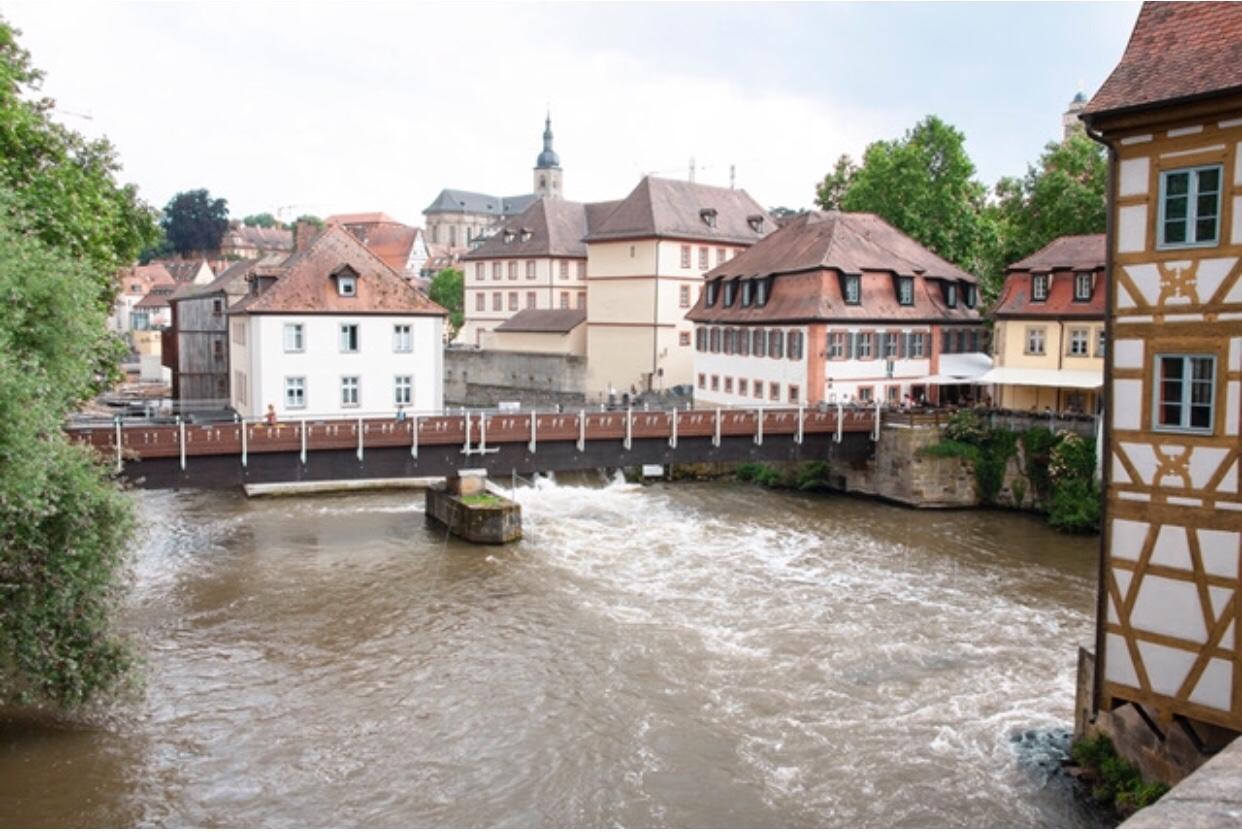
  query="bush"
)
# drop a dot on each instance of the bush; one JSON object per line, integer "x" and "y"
{"x": 1075, "y": 507}
{"x": 1073, "y": 458}
{"x": 1037, "y": 444}
{"x": 1116, "y": 780}
{"x": 966, "y": 427}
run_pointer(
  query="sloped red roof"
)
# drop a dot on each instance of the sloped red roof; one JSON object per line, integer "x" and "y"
{"x": 159, "y": 296}
{"x": 546, "y": 228}
{"x": 144, "y": 277}
{"x": 388, "y": 239}
{"x": 1081, "y": 252}
{"x": 1063, "y": 258}
{"x": 359, "y": 217}
{"x": 304, "y": 282}
{"x": 1177, "y": 51}
{"x": 675, "y": 208}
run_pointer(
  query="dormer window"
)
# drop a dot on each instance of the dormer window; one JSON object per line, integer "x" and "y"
{"x": 1039, "y": 287}
{"x": 709, "y": 217}
{"x": 950, "y": 294}
{"x": 748, "y": 293}
{"x": 763, "y": 289}
{"x": 972, "y": 296}
{"x": 713, "y": 289}
{"x": 1082, "y": 286}
{"x": 756, "y": 222}
{"x": 346, "y": 280}
{"x": 508, "y": 235}
{"x": 730, "y": 292}
{"x": 851, "y": 289}
{"x": 524, "y": 235}
{"x": 905, "y": 291}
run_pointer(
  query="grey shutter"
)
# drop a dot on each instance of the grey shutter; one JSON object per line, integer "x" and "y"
{"x": 851, "y": 345}
{"x": 905, "y": 345}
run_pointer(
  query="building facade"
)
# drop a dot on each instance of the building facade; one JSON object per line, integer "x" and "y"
{"x": 400, "y": 246}
{"x": 243, "y": 242}
{"x": 334, "y": 331}
{"x": 646, "y": 258}
{"x": 1049, "y": 341}
{"x": 1170, "y": 115}
{"x": 833, "y": 308}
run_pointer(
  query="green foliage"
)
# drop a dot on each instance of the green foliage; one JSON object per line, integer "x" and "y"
{"x": 194, "y": 222}
{"x": 265, "y": 220}
{"x": 448, "y": 289}
{"x": 1017, "y": 488}
{"x": 1037, "y": 446}
{"x": 482, "y": 499}
{"x": 1075, "y": 507}
{"x": 923, "y": 184}
{"x": 1116, "y": 780}
{"x": 317, "y": 222}
{"x": 952, "y": 449}
{"x": 1073, "y": 458}
{"x": 61, "y": 186}
{"x": 966, "y": 426}
{"x": 809, "y": 476}
{"x": 63, "y": 527}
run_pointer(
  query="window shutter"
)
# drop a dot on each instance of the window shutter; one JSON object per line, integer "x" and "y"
{"x": 905, "y": 345}
{"x": 851, "y": 344}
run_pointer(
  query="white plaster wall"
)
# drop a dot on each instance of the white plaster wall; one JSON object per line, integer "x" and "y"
{"x": 1132, "y": 229}
{"x": 1134, "y": 176}
{"x": 784, "y": 371}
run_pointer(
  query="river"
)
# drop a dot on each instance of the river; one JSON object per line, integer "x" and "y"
{"x": 669, "y": 655}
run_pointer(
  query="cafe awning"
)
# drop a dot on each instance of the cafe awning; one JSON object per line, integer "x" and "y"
{"x": 1043, "y": 378}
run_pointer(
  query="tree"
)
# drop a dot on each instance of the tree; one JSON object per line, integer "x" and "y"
{"x": 266, "y": 220}
{"x": 832, "y": 188}
{"x": 1064, "y": 195}
{"x": 194, "y": 223}
{"x": 317, "y": 222}
{"x": 61, "y": 186}
{"x": 448, "y": 289}
{"x": 924, "y": 185}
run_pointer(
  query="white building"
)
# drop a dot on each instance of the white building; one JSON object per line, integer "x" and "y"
{"x": 334, "y": 331}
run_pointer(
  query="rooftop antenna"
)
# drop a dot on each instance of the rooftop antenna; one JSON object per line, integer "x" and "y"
{"x": 732, "y": 175}
{"x": 691, "y": 169}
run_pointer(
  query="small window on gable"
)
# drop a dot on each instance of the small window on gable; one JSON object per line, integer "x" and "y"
{"x": 905, "y": 291}
{"x": 748, "y": 293}
{"x": 347, "y": 284}
{"x": 756, "y": 222}
{"x": 730, "y": 291}
{"x": 1082, "y": 286}
{"x": 763, "y": 289}
{"x": 851, "y": 289}
{"x": 508, "y": 235}
{"x": 1039, "y": 287}
{"x": 709, "y": 217}
{"x": 524, "y": 235}
{"x": 713, "y": 289}
{"x": 971, "y": 295}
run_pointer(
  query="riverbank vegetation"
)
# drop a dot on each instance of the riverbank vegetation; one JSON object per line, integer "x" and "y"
{"x": 66, "y": 226}
{"x": 808, "y": 476}
{"x": 1033, "y": 469}
{"x": 1113, "y": 780}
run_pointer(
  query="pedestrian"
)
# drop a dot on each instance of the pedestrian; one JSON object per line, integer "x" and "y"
{"x": 270, "y": 417}
{"x": 400, "y": 414}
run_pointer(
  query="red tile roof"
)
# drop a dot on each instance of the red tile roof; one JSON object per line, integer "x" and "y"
{"x": 1081, "y": 252}
{"x": 158, "y": 297}
{"x": 1177, "y": 51}
{"x": 1063, "y": 258}
{"x": 304, "y": 282}
{"x": 144, "y": 278}
{"x": 675, "y": 208}
{"x": 390, "y": 240}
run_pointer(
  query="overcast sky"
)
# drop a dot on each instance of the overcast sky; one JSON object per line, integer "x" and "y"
{"x": 340, "y": 107}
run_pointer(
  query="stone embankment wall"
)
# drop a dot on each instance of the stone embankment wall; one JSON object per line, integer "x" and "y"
{"x": 1211, "y": 797}
{"x": 902, "y": 472}
{"x": 483, "y": 378}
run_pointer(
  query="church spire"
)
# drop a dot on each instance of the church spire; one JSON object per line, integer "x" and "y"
{"x": 548, "y": 165}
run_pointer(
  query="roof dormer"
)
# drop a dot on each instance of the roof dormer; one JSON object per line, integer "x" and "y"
{"x": 709, "y": 217}
{"x": 756, "y": 222}
{"x": 346, "y": 278}
{"x": 524, "y": 234}
{"x": 507, "y": 235}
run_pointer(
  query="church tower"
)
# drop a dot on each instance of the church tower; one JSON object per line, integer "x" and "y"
{"x": 548, "y": 167}
{"x": 1069, "y": 119}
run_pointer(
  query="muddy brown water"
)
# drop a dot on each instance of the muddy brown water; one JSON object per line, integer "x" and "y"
{"x": 670, "y": 655}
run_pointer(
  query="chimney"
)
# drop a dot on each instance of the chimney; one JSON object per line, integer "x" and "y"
{"x": 302, "y": 234}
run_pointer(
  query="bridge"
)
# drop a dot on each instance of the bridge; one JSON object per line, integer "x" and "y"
{"x": 230, "y": 454}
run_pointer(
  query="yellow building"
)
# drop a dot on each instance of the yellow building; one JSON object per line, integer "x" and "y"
{"x": 1167, "y": 631}
{"x": 540, "y": 331}
{"x": 1048, "y": 345}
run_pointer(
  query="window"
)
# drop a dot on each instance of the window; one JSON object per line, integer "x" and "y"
{"x": 295, "y": 392}
{"x": 512, "y": 270}
{"x": 748, "y": 293}
{"x": 905, "y": 291}
{"x": 239, "y": 332}
{"x": 888, "y": 345}
{"x": 497, "y": 271}
{"x": 349, "y": 338}
{"x": 1039, "y": 287}
{"x": 836, "y": 345}
{"x": 346, "y": 285}
{"x": 865, "y": 393}
{"x": 217, "y": 347}
{"x": 776, "y": 344}
{"x": 853, "y": 290}
{"x": 713, "y": 290}
{"x": 498, "y": 302}
{"x": 564, "y": 270}
{"x": 1078, "y": 341}
{"x": 703, "y": 255}
{"x": 893, "y": 392}
{"x": 1100, "y": 342}
{"x": 217, "y": 306}
{"x": 950, "y": 294}
{"x": 757, "y": 389}
{"x": 743, "y": 342}
{"x": 918, "y": 346}
{"x": 530, "y": 270}
{"x": 728, "y": 386}
{"x": 722, "y": 256}
{"x": 741, "y": 383}
{"x": 582, "y": 300}
{"x": 761, "y": 291}
{"x": 715, "y": 382}
{"x": 564, "y": 301}
{"x": 349, "y": 392}
{"x": 295, "y": 338}
{"x": 1189, "y": 207}
{"x": 683, "y": 338}
{"x": 479, "y": 271}
{"x": 1185, "y": 393}
{"x": 730, "y": 341}
{"x": 1035, "y": 341}
{"x": 774, "y": 391}
{"x": 582, "y": 269}
{"x": 1082, "y": 286}
{"x": 403, "y": 390}
{"x": 794, "y": 347}
{"x": 513, "y": 301}
{"x": 730, "y": 290}
{"x": 714, "y": 340}
{"x": 531, "y": 301}
{"x": 685, "y": 257}
{"x": 758, "y": 345}
{"x": 703, "y": 381}
{"x": 700, "y": 340}
{"x": 793, "y": 394}
{"x": 864, "y": 345}
{"x": 402, "y": 338}
{"x": 480, "y": 301}
{"x": 683, "y": 295}
{"x": 972, "y": 295}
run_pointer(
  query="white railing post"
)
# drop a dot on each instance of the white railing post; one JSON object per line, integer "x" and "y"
{"x": 875, "y": 433}
{"x": 181, "y": 440}
{"x": 414, "y": 439}
{"x": 482, "y": 432}
{"x": 716, "y": 431}
{"x": 359, "y": 438}
{"x": 303, "y": 441}
{"x": 801, "y": 424}
{"x": 243, "y": 434}
{"x": 465, "y": 449}
{"x": 534, "y": 420}
{"x": 582, "y": 430}
{"x": 629, "y": 428}
{"x": 840, "y": 421}
{"x": 119, "y": 460}
{"x": 672, "y": 435}
{"x": 759, "y": 426}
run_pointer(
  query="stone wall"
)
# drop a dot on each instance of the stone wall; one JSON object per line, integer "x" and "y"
{"x": 902, "y": 472}
{"x": 483, "y": 378}
{"x": 1211, "y": 797}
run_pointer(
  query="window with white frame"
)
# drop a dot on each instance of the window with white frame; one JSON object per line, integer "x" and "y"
{"x": 295, "y": 338}
{"x": 564, "y": 270}
{"x": 1100, "y": 341}
{"x": 836, "y": 345}
{"x": 1082, "y": 286}
{"x": 1185, "y": 393}
{"x": 402, "y": 338}
{"x": 905, "y": 291}
{"x": 349, "y": 338}
{"x": 888, "y": 345}
{"x": 1039, "y": 287}
{"x": 864, "y": 345}
{"x": 1189, "y": 207}
{"x": 403, "y": 390}
{"x": 349, "y": 392}
{"x": 853, "y": 289}
{"x": 479, "y": 271}
{"x": 1079, "y": 341}
{"x": 685, "y": 257}
{"x": 512, "y": 270}
{"x": 950, "y": 294}
{"x": 497, "y": 270}
{"x": 1035, "y": 341}
{"x": 703, "y": 264}
{"x": 295, "y": 392}
{"x": 346, "y": 285}
{"x": 530, "y": 270}
{"x": 480, "y": 302}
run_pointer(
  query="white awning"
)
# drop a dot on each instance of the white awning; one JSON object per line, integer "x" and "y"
{"x": 959, "y": 369}
{"x": 1043, "y": 378}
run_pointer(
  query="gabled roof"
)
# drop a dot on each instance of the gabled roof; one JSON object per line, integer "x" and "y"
{"x": 472, "y": 202}
{"x": 549, "y": 228}
{"x": 359, "y": 217}
{"x": 387, "y": 238}
{"x": 233, "y": 280}
{"x": 304, "y": 285}
{"x": 183, "y": 271}
{"x": 1177, "y": 51}
{"x": 676, "y": 208}
{"x": 849, "y": 243}
{"x": 145, "y": 276}
{"x": 158, "y": 297}
{"x": 543, "y": 321}
{"x": 1078, "y": 252}
{"x": 258, "y": 237}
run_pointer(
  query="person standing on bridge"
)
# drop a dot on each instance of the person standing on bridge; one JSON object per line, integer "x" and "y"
{"x": 270, "y": 417}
